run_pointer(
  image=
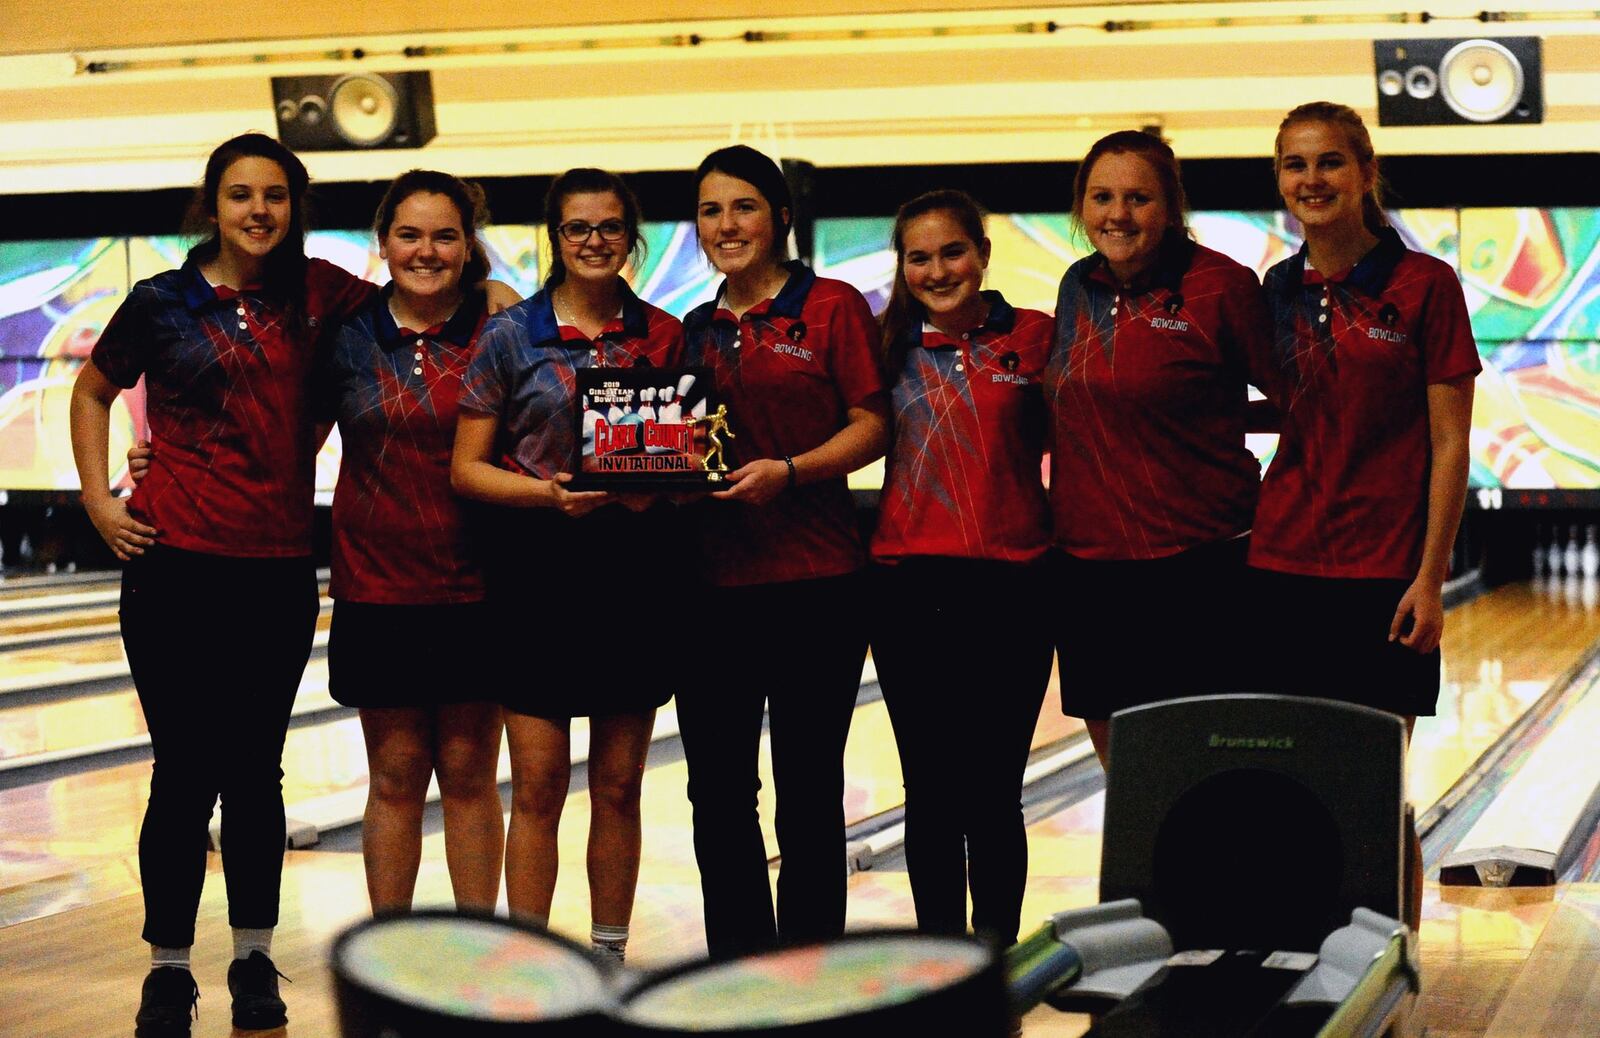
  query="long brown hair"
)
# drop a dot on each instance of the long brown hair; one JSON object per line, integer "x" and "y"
{"x": 284, "y": 271}
{"x": 1356, "y": 136}
{"x": 900, "y": 313}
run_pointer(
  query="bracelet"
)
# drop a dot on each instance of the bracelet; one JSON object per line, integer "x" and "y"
{"x": 793, "y": 476}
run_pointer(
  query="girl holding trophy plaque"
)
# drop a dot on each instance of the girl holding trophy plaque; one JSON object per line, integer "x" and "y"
{"x": 517, "y": 446}
{"x": 794, "y": 360}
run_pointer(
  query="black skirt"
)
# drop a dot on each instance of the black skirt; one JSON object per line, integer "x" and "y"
{"x": 1131, "y": 632}
{"x": 591, "y": 616}
{"x": 1329, "y": 637}
{"x": 408, "y": 655}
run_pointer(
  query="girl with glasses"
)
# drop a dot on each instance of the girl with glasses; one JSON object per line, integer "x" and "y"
{"x": 559, "y": 563}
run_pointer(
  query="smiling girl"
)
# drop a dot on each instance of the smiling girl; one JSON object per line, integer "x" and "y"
{"x": 402, "y": 561}
{"x": 219, "y": 593}
{"x": 1151, "y": 487}
{"x": 558, "y": 560}
{"x": 962, "y": 522}
{"x": 1372, "y": 367}
{"x": 793, "y": 358}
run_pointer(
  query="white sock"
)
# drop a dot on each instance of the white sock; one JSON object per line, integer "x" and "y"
{"x": 612, "y": 940}
{"x": 160, "y": 956}
{"x": 247, "y": 940}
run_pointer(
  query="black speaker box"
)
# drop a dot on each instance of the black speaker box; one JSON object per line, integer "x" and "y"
{"x": 1254, "y": 821}
{"x": 360, "y": 111}
{"x": 1429, "y": 82}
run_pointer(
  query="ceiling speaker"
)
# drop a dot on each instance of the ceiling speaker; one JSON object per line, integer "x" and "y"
{"x": 1429, "y": 82}
{"x": 360, "y": 111}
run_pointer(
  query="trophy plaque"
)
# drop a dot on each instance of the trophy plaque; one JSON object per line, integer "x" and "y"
{"x": 650, "y": 430}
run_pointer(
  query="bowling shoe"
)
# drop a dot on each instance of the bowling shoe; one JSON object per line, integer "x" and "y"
{"x": 167, "y": 1002}
{"x": 253, "y": 983}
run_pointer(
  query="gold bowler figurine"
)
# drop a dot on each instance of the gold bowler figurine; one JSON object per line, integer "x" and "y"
{"x": 716, "y": 424}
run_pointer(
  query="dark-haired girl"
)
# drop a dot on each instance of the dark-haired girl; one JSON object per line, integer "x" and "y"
{"x": 219, "y": 594}
{"x": 558, "y": 557}
{"x": 408, "y": 592}
{"x": 793, "y": 357}
{"x": 962, "y": 524}
{"x": 1372, "y": 367}
{"x": 1151, "y": 487}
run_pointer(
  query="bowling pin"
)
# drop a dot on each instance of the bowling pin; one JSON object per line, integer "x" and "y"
{"x": 1589, "y": 558}
{"x": 1552, "y": 553}
{"x": 1572, "y": 557}
{"x": 590, "y": 420}
{"x": 670, "y": 411}
{"x": 1538, "y": 552}
{"x": 647, "y": 400}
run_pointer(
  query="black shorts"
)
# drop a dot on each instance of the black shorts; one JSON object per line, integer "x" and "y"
{"x": 1329, "y": 637}
{"x": 407, "y": 655}
{"x": 1138, "y": 631}
{"x": 597, "y": 615}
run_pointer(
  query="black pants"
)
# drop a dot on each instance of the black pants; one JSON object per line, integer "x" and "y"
{"x": 963, "y": 654}
{"x": 216, "y": 646}
{"x": 796, "y": 649}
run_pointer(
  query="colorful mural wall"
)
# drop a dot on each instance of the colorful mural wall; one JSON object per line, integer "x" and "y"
{"x": 1532, "y": 279}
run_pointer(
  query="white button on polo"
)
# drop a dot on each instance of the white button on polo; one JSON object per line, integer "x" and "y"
{"x": 421, "y": 343}
{"x": 961, "y": 367}
{"x": 241, "y": 309}
{"x": 416, "y": 371}
{"x": 243, "y": 325}
{"x": 1322, "y": 318}
{"x": 1324, "y": 300}
{"x": 419, "y": 355}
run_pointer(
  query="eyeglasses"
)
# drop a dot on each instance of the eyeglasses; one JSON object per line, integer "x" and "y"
{"x": 577, "y": 231}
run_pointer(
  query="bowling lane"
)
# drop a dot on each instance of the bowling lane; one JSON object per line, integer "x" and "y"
{"x": 91, "y": 723}
{"x": 94, "y": 659}
{"x": 1502, "y": 651}
{"x": 17, "y": 630}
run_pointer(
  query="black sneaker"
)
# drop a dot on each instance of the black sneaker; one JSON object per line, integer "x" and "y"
{"x": 253, "y": 983}
{"x": 169, "y": 1000}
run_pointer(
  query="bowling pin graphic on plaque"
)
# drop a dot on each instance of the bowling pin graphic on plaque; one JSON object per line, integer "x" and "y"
{"x": 650, "y": 430}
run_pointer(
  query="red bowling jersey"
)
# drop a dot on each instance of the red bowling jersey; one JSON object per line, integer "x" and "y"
{"x": 399, "y": 536}
{"x": 963, "y": 473}
{"x": 1351, "y": 360}
{"x": 1147, "y": 390}
{"x": 789, "y": 371}
{"x": 227, "y": 400}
